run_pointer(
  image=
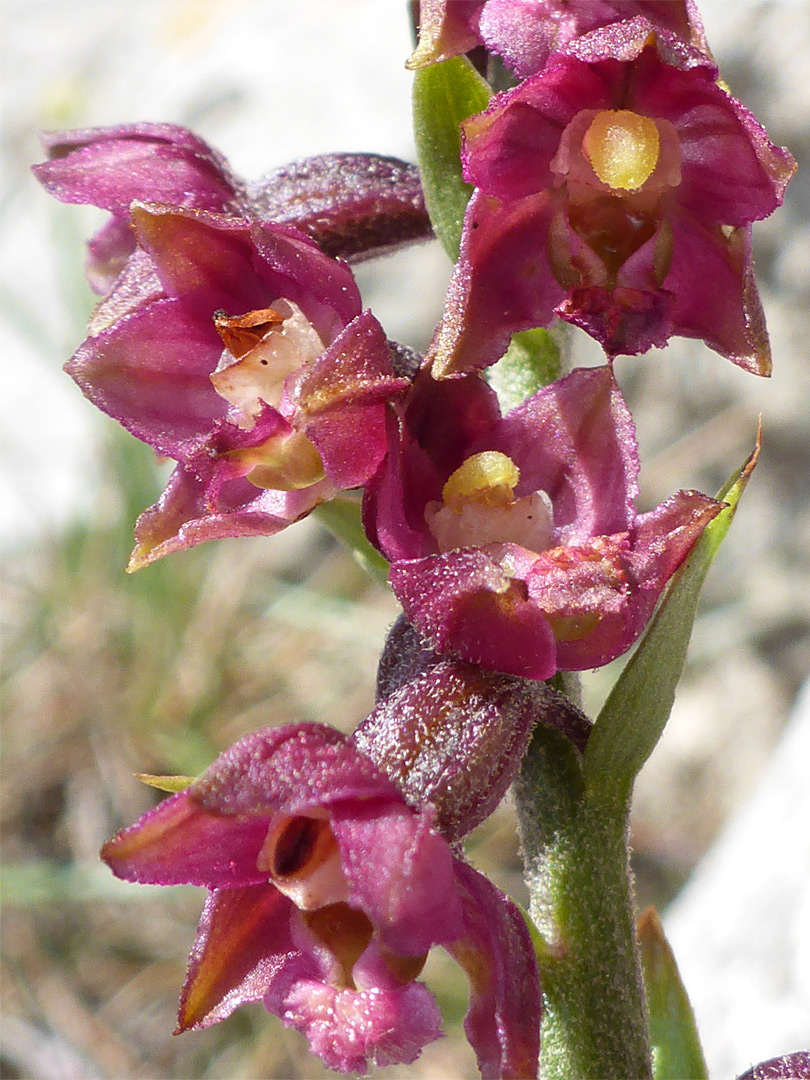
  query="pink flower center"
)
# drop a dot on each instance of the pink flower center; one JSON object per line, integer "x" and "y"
{"x": 479, "y": 507}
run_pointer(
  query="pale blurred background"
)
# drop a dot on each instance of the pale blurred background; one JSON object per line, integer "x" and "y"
{"x": 107, "y": 675}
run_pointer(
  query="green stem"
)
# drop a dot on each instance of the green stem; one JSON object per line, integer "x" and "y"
{"x": 575, "y": 849}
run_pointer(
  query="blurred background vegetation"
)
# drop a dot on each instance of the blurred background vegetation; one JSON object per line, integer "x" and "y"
{"x": 105, "y": 675}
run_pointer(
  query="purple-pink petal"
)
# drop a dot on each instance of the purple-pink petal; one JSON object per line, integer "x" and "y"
{"x": 205, "y": 260}
{"x": 346, "y": 391}
{"x": 150, "y": 371}
{"x": 446, "y": 28}
{"x": 508, "y": 149}
{"x": 182, "y": 843}
{"x": 731, "y": 319}
{"x": 400, "y": 873}
{"x": 501, "y": 284}
{"x": 198, "y": 505}
{"x": 111, "y": 167}
{"x": 718, "y": 139}
{"x": 211, "y": 833}
{"x": 575, "y": 440}
{"x": 243, "y": 940}
{"x": 290, "y": 770}
{"x": 612, "y": 591}
{"x": 472, "y": 603}
{"x": 503, "y": 1019}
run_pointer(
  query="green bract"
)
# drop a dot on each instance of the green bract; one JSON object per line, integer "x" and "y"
{"x": 443, "y": 96}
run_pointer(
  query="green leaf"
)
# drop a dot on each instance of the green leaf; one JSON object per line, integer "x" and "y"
{"x": 533, "y": 360}
{"x": 343, "y": 518}
{"x": 676, "y": 1050}
{"x": 444, "y": 95}
{"x": 638, "y": 706}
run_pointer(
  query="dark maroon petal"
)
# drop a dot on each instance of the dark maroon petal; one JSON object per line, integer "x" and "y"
{"x": 351, "y": 205}
{"x": 503, "y": 1020}
{"x": 575, "y": 440}
{"x": 400, "y": 874}
{"x": 719, "y": 140}
{"x": 729, "y": 317}
{"x": 794, "y": 1066}
{"x": 150, "y": 371}
{"x": 502, "y": 282}
{"x": 467, "y": 604}
{"x": 508, "y": 148}
{"x": 243, "y": 940}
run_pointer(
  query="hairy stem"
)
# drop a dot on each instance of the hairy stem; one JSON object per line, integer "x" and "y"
{"x": 576, "y": 855}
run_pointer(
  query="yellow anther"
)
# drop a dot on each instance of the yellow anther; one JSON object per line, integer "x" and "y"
{"x": 622, "y": 147}
{"x": 489, "y": 477}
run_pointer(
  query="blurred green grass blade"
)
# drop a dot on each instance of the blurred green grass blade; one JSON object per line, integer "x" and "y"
{"x": 26, "y": 884}
{"x": 444, "y": 95}
{"x": 674, "y": 1040}
{"x": 638, "y": 706}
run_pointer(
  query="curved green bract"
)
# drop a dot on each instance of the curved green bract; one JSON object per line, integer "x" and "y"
{"x": 638, "y": 707}
{"x": 676, "y": 1050}
{"x": 444, "y": 95}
